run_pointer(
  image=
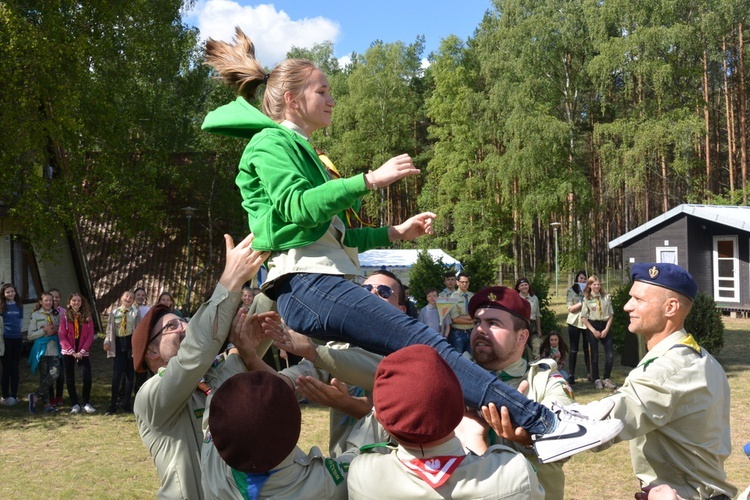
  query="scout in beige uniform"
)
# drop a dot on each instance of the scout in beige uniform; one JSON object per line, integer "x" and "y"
{"x": 675, "y": 403}
{"x": 419, "y": 402}
{"x": 250, "y": 448}
{"x": 169, "y": 406}
{"x": 498, "y": 342}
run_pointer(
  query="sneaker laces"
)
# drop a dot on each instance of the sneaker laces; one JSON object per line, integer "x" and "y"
{"x": 568, "y": 414}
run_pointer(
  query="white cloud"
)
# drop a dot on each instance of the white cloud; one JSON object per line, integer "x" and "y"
{"x": 272, "y": 31}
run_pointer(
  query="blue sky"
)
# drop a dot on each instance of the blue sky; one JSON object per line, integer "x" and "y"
{"x": 352, "y": 25}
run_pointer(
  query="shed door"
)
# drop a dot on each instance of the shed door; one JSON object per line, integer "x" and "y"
{"x": 726, "y": 269}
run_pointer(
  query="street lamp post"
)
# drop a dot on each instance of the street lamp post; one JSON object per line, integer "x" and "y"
{"x": 188, "y": 211}
{"x": 556, "y": 226}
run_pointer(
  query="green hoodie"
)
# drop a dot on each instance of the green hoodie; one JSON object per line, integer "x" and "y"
{"x": 286, "y": 191}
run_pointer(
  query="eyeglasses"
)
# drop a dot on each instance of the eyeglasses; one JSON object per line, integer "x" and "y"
{"x": 383, "y": 290}
{"x": 176, "y": 325}
{"x": 464, "y": 282}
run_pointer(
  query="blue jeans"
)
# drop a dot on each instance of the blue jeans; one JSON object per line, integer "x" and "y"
{"x": 459, "y": 340}
{"x": 329, "y": 307}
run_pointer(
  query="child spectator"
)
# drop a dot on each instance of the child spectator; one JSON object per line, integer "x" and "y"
{"x": 45, "y": 353}
{"x": 76, "y": 336}
{"x": 140, "y": 301}
{"x": 12, "y": 314}
{"x": 166, "y": 299}
{"x": 117, "y": 342}
{"x": 56, "y": 394}
{"x": 430, "y": 314}
{"x": 554, "y": 347}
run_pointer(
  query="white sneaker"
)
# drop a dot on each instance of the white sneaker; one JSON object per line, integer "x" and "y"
{"x": 596, "y": 410}
{"x": 89, "y": 409}
{"x": 573, "y": 434}
{"x": 12, "y": 401}
{"x": 598, "y": 384}
{"x": 608, "y": 384}
{"x": 75, "y": 410}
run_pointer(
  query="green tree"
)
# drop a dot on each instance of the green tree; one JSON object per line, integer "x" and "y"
{"x": 426, "y": 273}
{"x": 96, "y": 98}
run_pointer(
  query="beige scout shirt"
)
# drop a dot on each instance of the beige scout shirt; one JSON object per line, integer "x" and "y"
{"x": 132, "y": 317}
{"x": 300, "y": 475}
{"x": 499, "y": 473}
{"x": 597, "y": 308}
{"x": 460, "y": 309}
{"x": 675, "y": 407}
{"x": 574, "y": 319}
{"x": 340, "y": 424}
{"x": 168, "y": 409}
{"x": 546, "y": 385}
{"x": 39, "y": 319}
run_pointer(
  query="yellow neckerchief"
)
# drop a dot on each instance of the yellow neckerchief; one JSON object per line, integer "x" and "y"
{"x": 76, "y": 327}
{"x": 124, "y": 322}
{"x": 335, "y": 174}
{"x": 688, "y": 342}
{"x": 48, "y": 316}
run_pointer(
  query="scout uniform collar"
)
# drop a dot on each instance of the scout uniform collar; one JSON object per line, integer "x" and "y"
{"x": 678, "y": 339}
{"x": 517, "y": 369}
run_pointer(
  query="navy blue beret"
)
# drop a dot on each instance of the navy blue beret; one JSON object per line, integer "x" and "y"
{"x": 669, "y": 276}
{"x": 500, "y": 297}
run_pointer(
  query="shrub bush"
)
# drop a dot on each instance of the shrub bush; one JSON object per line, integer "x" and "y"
{"x": 621, "y": 319}
{"x": 424, "y": 274}
{"x": 706, "y": 324}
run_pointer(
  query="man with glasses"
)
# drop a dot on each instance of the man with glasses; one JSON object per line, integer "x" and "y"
{"x": 169, "y": 407}
{"x": 461, "y": 324}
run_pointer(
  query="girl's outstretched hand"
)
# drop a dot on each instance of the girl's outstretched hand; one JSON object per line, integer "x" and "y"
{"x": 391, "y": 171}
{"x": 414, "y": 227}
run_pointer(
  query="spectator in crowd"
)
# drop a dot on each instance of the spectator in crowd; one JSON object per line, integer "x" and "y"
{"x": 430, "y": 315}
{"x": 76, "y": 334}
{"x": 166, "y": 299}
{"x": 122, "y": 322}
{"x": 576, "y": 328}
{"x": 450, "y": 284}
{"x": 140, "y": 301}
{"x": 555, "y": 348}
{"x": 461, "y": 323}
{"x": 45, "y": 352}
{"x": 56, "y": 395}
{"x": 597, "y": 315}
{"x": 11, "y": 310}
{"x": 523, "y": 287}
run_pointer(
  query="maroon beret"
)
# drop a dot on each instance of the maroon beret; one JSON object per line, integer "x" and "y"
{"x": 501, "y": 297}
{"x": 417, "y": 396}
{"x": 254, "y": 421}
{"x": 142, "y": 335}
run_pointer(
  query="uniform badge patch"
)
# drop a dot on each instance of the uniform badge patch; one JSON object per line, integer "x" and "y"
{"x": 435, "y": 471}
{"x": 653, "y": 272}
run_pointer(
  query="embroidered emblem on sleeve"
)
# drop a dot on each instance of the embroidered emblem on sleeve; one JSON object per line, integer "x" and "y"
{"x": 333, "y": 469}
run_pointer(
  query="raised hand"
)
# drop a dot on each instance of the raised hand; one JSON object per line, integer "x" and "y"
{"x": 413, "y": 227}
{"x": 391, "y": 171}
{"x": 242, "y": 263}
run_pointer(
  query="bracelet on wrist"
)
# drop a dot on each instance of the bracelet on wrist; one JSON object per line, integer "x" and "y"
{"x": 373, "y": 184}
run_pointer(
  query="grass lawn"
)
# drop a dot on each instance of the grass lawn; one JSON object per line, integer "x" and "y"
{"x": 94, "y": 456}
